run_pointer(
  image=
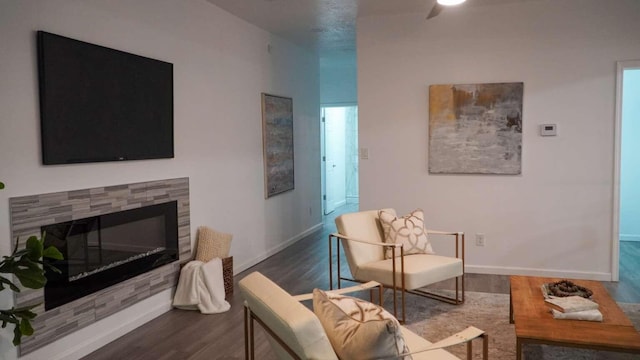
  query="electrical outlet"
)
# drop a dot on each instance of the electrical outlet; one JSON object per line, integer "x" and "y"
{"x": 479, "y": 239}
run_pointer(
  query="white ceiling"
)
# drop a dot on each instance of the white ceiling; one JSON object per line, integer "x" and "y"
{"x": 325, "y": 25}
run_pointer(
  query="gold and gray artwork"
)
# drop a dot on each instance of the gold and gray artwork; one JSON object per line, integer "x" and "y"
{"x": 475, "y": 128}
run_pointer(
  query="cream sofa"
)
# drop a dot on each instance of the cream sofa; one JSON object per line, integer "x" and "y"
{"x": 297, "y": 333}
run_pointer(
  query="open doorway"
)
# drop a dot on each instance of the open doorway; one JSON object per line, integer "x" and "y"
{"x": 626, "y": 251}
{"x": 339, "y": 156}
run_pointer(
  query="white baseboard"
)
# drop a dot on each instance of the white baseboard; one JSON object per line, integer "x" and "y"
{"x": 557, "y": 273}
{"x": 88, "y": 339}
{"x": 629, "y": 237}
{"x": 257, "y": 259}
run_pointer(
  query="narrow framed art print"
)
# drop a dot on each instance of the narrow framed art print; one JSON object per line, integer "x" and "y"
{"x": 277, "y": 143}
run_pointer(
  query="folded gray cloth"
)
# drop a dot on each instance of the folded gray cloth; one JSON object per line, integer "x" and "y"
{"x": 588, "y": 315}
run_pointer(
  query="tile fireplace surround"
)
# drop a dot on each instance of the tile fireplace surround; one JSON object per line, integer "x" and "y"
{"x": 29, "y": 213}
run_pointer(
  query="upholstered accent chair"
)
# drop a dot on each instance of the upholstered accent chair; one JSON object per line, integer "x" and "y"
{"x": 362, "y": 237}
{"x": 296, "y": 332}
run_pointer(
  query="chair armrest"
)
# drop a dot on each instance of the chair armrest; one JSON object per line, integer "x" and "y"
{"x": 458, "y": 235}
{"x": 438, "y": 232}
{"x": 340, "y": 236}
{"x": 463, "y": 336}
{"x": 350, "y": 289}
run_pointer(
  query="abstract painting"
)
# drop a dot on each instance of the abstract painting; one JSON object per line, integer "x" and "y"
{"x": 277, "y": 142}
{"x": 475, "y": 128}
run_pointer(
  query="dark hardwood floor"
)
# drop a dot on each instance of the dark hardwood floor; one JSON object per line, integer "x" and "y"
{"x": 628, "y": 288}
{"x": 298, "y": 269}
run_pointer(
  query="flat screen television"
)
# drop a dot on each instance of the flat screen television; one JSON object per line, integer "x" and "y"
{"x": 100, "y": 104}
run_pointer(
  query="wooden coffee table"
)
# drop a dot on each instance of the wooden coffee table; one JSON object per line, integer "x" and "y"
{"x": 535, "y": 324}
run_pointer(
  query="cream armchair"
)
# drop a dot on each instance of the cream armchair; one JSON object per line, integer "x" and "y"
{"x": 362, "y": 239}
{"x": 296, "y": 332}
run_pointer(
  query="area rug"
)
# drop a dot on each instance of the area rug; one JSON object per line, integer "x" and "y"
{"x": 435, "y": 320}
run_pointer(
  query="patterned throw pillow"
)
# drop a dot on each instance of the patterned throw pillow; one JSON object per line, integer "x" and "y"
{"x": 407, "y": 230}
{"x": 358, "y": 329}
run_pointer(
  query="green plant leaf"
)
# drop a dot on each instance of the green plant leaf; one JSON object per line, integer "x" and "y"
{"x": 24, "y": 312}
{"x": 1, "y": 185}
{"x": 7, "y": 318}
{"x": 25, "y": 327}
{"x": 21, "y": 319}
{"x": 52, "y": 253}
{"x": 31, "y": 277}
{"x": 17, "y": 336}
{"x": 17, "y": 254}
{"x": 4, "y": 281}
{"x": 35, "y": 247}
{"x": 27, "y": 265}
{"x": 51, "y": 268}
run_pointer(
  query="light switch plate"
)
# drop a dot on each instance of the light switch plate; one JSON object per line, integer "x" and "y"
{"x": 548, "y": 130}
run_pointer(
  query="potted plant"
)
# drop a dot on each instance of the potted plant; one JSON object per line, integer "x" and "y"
{"x": 28, "y": 266}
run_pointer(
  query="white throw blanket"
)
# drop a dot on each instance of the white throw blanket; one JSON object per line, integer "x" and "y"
{"x": 201, "y": 287}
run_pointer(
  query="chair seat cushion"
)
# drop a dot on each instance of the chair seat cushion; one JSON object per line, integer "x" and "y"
{"x": 415, "y": 342}
{"x": 420, "y": 270}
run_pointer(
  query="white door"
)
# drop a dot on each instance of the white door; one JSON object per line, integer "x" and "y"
{"x": 334, "y": 146}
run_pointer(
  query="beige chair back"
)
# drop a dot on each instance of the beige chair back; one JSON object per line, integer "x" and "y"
{"x": 291, "y": 321}
{"x": 363, "y": 225}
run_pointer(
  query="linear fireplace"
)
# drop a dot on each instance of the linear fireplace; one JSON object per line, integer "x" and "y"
{"x": 29, "y": 214}
{"x": 103, "y": 250}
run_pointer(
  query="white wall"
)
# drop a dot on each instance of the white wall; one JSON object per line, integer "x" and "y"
{"x": 555, "y": 218}
{"x": 630, "y": 161}
{"x": 221, "y": 65}
{"x": 351, "y": 154}
{"x": 338, "y": 78}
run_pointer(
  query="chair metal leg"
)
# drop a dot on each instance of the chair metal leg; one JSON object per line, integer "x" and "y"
{"x": 393, "y": 283}
{"x": 246, "y": 333}
{"x": 249, "y": 344}
{"x": 485, "y": 346}
{"x": 330, "y": 264}
{"x": 251, "y": 338}
{"x": 338, "y": 263}
{"x": 457, "y": 300}
{"x": 404, "y": 286}
{"x": 404, "y": 308}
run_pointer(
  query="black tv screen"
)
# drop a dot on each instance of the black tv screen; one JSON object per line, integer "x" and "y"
{"x": 101, "y": 104}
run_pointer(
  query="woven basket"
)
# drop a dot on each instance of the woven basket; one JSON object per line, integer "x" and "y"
{"x": 227, "y": 274}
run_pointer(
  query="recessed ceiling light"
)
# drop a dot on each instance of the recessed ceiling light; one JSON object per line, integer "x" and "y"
{"x": 450, "y": 2}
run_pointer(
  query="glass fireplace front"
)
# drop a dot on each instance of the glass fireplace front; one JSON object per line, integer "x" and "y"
{"x": 103, "y": 250}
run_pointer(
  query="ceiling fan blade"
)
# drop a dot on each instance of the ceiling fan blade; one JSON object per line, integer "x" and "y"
{"x": 435, "y": 10}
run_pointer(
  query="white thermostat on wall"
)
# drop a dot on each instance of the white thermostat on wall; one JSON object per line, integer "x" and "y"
{"x": 548, "y": 130}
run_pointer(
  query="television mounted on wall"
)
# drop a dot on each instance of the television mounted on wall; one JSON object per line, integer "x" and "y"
{"x": 101, "y": 104}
